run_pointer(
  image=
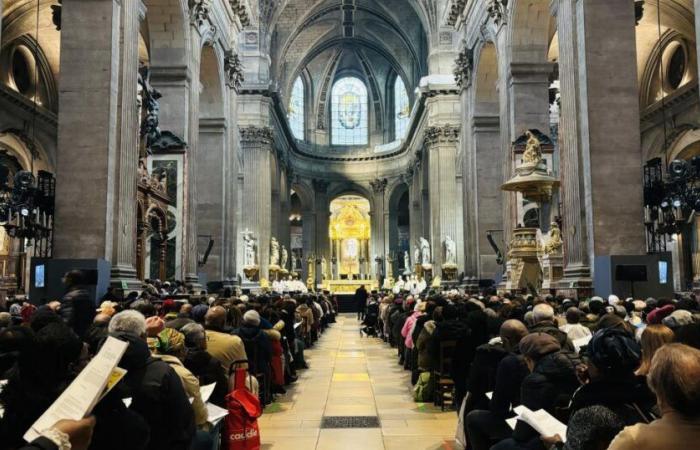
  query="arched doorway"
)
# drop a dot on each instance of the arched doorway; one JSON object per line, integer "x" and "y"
{"x": 349, "y": 231}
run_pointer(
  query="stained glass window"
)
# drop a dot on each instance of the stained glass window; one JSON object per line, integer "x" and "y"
{"x": 349, "y": 112}
{"x": 296, "y": 109}
{"x": 402, "y": 109}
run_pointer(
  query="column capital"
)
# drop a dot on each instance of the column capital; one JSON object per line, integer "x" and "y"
{"x": 379, "y": 185}
{"x": 498, "y": 10}
{"x": 456, "y": 8}
{"x": 199, "y": 11}
{"x": 441, "y": 134}
{"x": 233, "y": 68}
{"x": 464, "y": 64}
{"x": 320, "y": 186}
{"x": 239, "y": 9}
{"x": 252, "y": 134}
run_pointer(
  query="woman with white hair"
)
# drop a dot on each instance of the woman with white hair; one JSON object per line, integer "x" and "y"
{"x": 674, "y": 377}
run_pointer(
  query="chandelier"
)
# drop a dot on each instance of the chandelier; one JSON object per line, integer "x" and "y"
{"x": 26, "y": 206}
{"x": 670, "y": 201}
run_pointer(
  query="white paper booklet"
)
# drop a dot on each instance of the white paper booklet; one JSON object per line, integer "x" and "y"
{"x": 84, "y": 392}
{"x": 543, "y": 422}
{"x": 206, "y": 391}
{"x": 215, "y": 413}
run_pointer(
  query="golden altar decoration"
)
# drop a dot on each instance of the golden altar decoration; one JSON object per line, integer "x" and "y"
{"x": 350, "y": 232}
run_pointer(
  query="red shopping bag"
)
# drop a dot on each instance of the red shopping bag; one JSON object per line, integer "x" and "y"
{"x": 241, "y": 426}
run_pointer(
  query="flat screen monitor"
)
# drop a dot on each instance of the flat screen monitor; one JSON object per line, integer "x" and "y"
{"x": 39, "y": 273}
{"x": 663, "y": 272}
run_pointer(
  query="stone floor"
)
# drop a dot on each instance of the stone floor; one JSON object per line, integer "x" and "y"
{"x": 354, "y": 376}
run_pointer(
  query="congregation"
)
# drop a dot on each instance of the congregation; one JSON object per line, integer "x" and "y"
{"x": 621, "y": 374}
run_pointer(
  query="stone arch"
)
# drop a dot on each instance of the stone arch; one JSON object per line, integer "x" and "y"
{"x": 530, "y": 30}
{"x": 169, "y": 32}
{"x": 29, "y": 151}
{"x": 351, "y": 188}
{"x": 211, "y": 98}
{"x": 686, "y": 145}
{"x": 486, "y": 99}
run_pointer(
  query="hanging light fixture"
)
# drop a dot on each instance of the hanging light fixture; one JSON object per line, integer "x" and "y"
{"x": 27, "y": 203}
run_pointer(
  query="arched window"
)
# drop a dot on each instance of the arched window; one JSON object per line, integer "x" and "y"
{"x": 349, "y": 112}
{"x": 296, "y": 109}
{"x": 402, "y": 109}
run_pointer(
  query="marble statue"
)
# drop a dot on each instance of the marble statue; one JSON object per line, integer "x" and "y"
{"x": 533, "y": 150}
{"x": 285, "y": 257}
{"x": 424, "y": 251}
{"x": 450, "y": 251}
{"x": 406, "y": 261}
{"x": 249, "y": 243}
{"x": 416, "y": 255}
{"x": 274, "y": 252}
{"x": 324, "y": 268}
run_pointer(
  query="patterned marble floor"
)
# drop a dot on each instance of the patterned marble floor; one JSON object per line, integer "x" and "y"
{"x": 354, "y": 376}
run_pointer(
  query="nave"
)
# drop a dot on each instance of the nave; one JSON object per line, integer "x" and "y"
{"x": 350, "y": 376}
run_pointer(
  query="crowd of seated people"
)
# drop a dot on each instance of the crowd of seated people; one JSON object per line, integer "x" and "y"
{"x": 621, "y": 374}
{"x": 175, "y": 348}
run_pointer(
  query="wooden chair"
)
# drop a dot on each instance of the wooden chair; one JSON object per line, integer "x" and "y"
{"x": 444, "y": 385}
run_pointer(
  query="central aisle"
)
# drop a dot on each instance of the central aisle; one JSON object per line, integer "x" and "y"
{"x": 354, "y": 376}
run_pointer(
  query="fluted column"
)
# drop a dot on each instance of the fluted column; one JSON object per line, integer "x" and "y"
{"x": 257, "y": 146}
{"x": 231, "y": 169}
{"x": 124, "y": 258}
{"x": 86, "y": 180}
{"x": 379, "y": 218}
{"x": 697, "y": 29}
{"x": 599, "y": 132}
{"x": 190, "y": 251}
{"x": 322, "y": 216}
{"x": 577, "y": 268}
{"x": 441, "y": 143}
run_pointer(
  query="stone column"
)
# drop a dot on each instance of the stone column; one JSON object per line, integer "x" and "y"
{"x": 599, "y": 133}
{"x": 322, "y": 216}
{"x": 87, "y": 178}
{"x": 697, "y": 29}
{"x": 378, "y": 219}
{"x": 257, "y": 146}
{"x": 230, "y": 187}
{"x": 489, "y": 197}
{"x": 441, "y": 143}
{"x": 124, "y": 253}
{"x": 212, "y": 181}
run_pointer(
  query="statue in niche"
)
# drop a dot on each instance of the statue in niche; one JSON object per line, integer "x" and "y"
{"x": 424, "y": 251}
{"x": 553, "y": 243}
{"x": 450, "y": 251}
{"x": 406, "y": 261}
{"x": 274, "y": 252}
{"x": 249, "y": 243}
{"x": 285, "y": 257}
{"x": 533, "y": 150}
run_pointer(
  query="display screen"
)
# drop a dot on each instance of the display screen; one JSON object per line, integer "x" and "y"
{"x": 663, "y": 272}
{"x": 39, "y": 276}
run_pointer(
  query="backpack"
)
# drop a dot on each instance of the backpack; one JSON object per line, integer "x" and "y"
{"x": 423, "y": 391}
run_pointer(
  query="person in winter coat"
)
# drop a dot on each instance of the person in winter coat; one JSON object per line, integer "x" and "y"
{"x": 276, "y": 361}
{"x": 484, "y": 427}
{"x": 450, "y": 328}
{"x": 77, "y": 307}
{"x": 549, "y": 386}
{"x": 224, "y": 347}
{"x": 257, "y": 343}
{"x": 543, "y": 317}
{"x": 426, "y": 359}
{"x": 609, "y": 380}
{"x": 202, "y": 365}
{"x": 153, "y": 386}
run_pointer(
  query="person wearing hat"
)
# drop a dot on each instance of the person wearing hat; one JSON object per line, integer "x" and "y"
{"x": 608, "y": 378}
{"x": 678, "y": 318}
{"x": 549, "y": 386}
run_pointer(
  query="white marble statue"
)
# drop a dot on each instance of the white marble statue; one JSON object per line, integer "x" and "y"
{"x": 285, "y": 257}
{"x": 249, "y": 243}
{"x": 416, "y": 255}
{"x": 424, "y": 251}
{"x": 450, "y": 251}
{"x": 406, "y": 261}
{"x": 324, "y": 268}
{"x": 274, "y": 252}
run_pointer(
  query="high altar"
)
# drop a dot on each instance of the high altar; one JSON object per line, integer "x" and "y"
{"x": 350, "y": 233}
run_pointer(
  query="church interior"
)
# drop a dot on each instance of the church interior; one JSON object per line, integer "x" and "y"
{"x": 353, "y": 152}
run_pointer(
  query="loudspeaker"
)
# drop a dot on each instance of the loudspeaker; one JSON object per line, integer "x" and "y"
{"x": 635, "y": 273}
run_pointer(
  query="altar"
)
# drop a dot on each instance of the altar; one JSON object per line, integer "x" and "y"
{"x": 346, "y": 287}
